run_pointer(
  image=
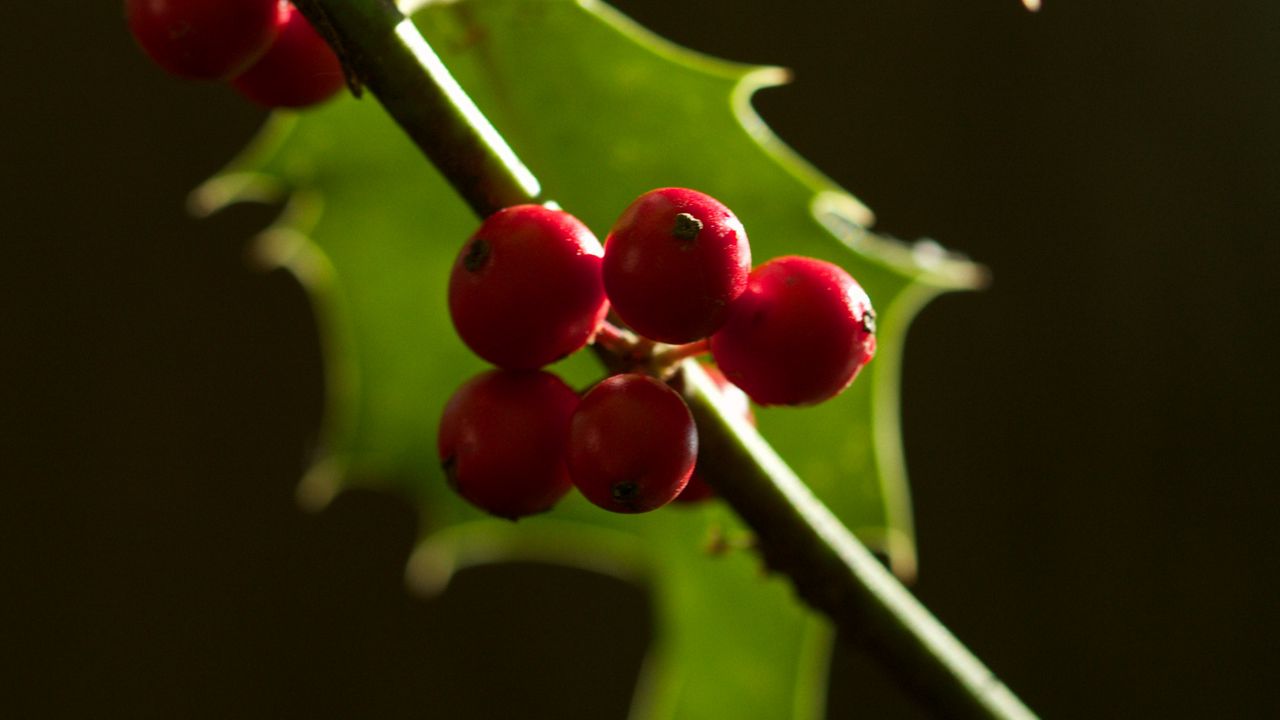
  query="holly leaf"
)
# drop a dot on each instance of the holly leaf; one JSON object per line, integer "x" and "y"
{"x": 601, "y": 111}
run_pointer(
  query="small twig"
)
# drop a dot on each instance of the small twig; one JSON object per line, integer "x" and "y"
{"x": 382, "y": 48}
{"x": 835, "y": 573}
{"x": 797, "y": 535}
{"x": 615, "y": 339}
{"x": 668, "y": 356}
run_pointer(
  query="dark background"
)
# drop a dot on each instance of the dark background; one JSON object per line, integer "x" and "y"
{"x": 1091, "y": 440}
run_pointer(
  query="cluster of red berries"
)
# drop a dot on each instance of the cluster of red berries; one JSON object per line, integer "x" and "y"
{"x": 265, "y": 48}
{"x": 534, "y": 285}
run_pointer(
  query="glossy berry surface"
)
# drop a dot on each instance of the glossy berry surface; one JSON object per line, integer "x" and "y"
{"x": 632, "y": 444}
{"x": 298, "y": 70}
{"x": 203, "y": 39}
{"x": 798, "y": 335}
{"x": 525, "y": 290}
{"x": 736, "y": 402}
{"x": 502, "y": 438}
{"x": 673, "y": 263}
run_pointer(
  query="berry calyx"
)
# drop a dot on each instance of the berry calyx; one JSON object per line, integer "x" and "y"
{"x": 632, "y": 444}
{"x": 298, "y": 70}
{"x": 525, "y": 289}
{"x": 798, "y": 335}
{"x": 673, "y": 263}
{"x": 203, "y": 39}
{"x": 501, "y": 441}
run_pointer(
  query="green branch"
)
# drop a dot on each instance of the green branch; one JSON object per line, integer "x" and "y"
{"x": 381, "y": 49}
{"x": 797, "y": 534}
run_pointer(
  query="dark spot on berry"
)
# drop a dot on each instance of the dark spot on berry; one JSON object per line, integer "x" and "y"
{"x": 477, "y": 256}
{"x": 869, "y": 321}
{"x": 625, "y": 493}
{"x": 791, "y": 280}
{"x": 687, "y": 227}
{"x": 450, "y": 467}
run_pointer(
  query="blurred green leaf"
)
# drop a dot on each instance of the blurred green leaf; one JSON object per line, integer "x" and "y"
{"x": 601, "y": 111}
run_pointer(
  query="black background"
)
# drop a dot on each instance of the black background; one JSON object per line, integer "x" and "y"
{"x": 1091, "y": 440}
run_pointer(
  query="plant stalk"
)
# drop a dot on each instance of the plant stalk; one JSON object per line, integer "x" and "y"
{"x": 381, "y": 49}
{"x": 796, "y": 533}
{"x": 834, "y": 572}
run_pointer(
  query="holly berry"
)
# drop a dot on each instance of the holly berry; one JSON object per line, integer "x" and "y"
{"x": 526, "y": 288}
{"x": 502, "y": 438}
{"x": 735, "y": 402}
{"x": 632, "y": 444}
{"x": 798, "y": 335}
{"x": 298, "y": 70}
{"x": 674, "y": 262}
{"x": 203, "y": 39}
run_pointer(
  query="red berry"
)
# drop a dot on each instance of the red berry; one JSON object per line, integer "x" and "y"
{"x": 632, "y": 444}
{"x": 299, "y": 69}
{"x": 502, "y": 440}
{"x": 203, "y": 39}
{"x": 737, "y": 402}
{"x": 526, "y": 289}
{"x": 673, "y": 262}
{"x": 798, "y": 335}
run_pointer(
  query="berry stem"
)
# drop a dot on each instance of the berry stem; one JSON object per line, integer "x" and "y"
{"x": 620, "y": 350}
{"x": 670, "y": 355}
{"x": 616, "y": 340}
{"x": 797, "y": 534}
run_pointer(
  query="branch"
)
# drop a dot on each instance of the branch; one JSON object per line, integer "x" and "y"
{"x": 382, "y": 49}
{"x": 797, "y": 534}
{"x": 834, "y": 572}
